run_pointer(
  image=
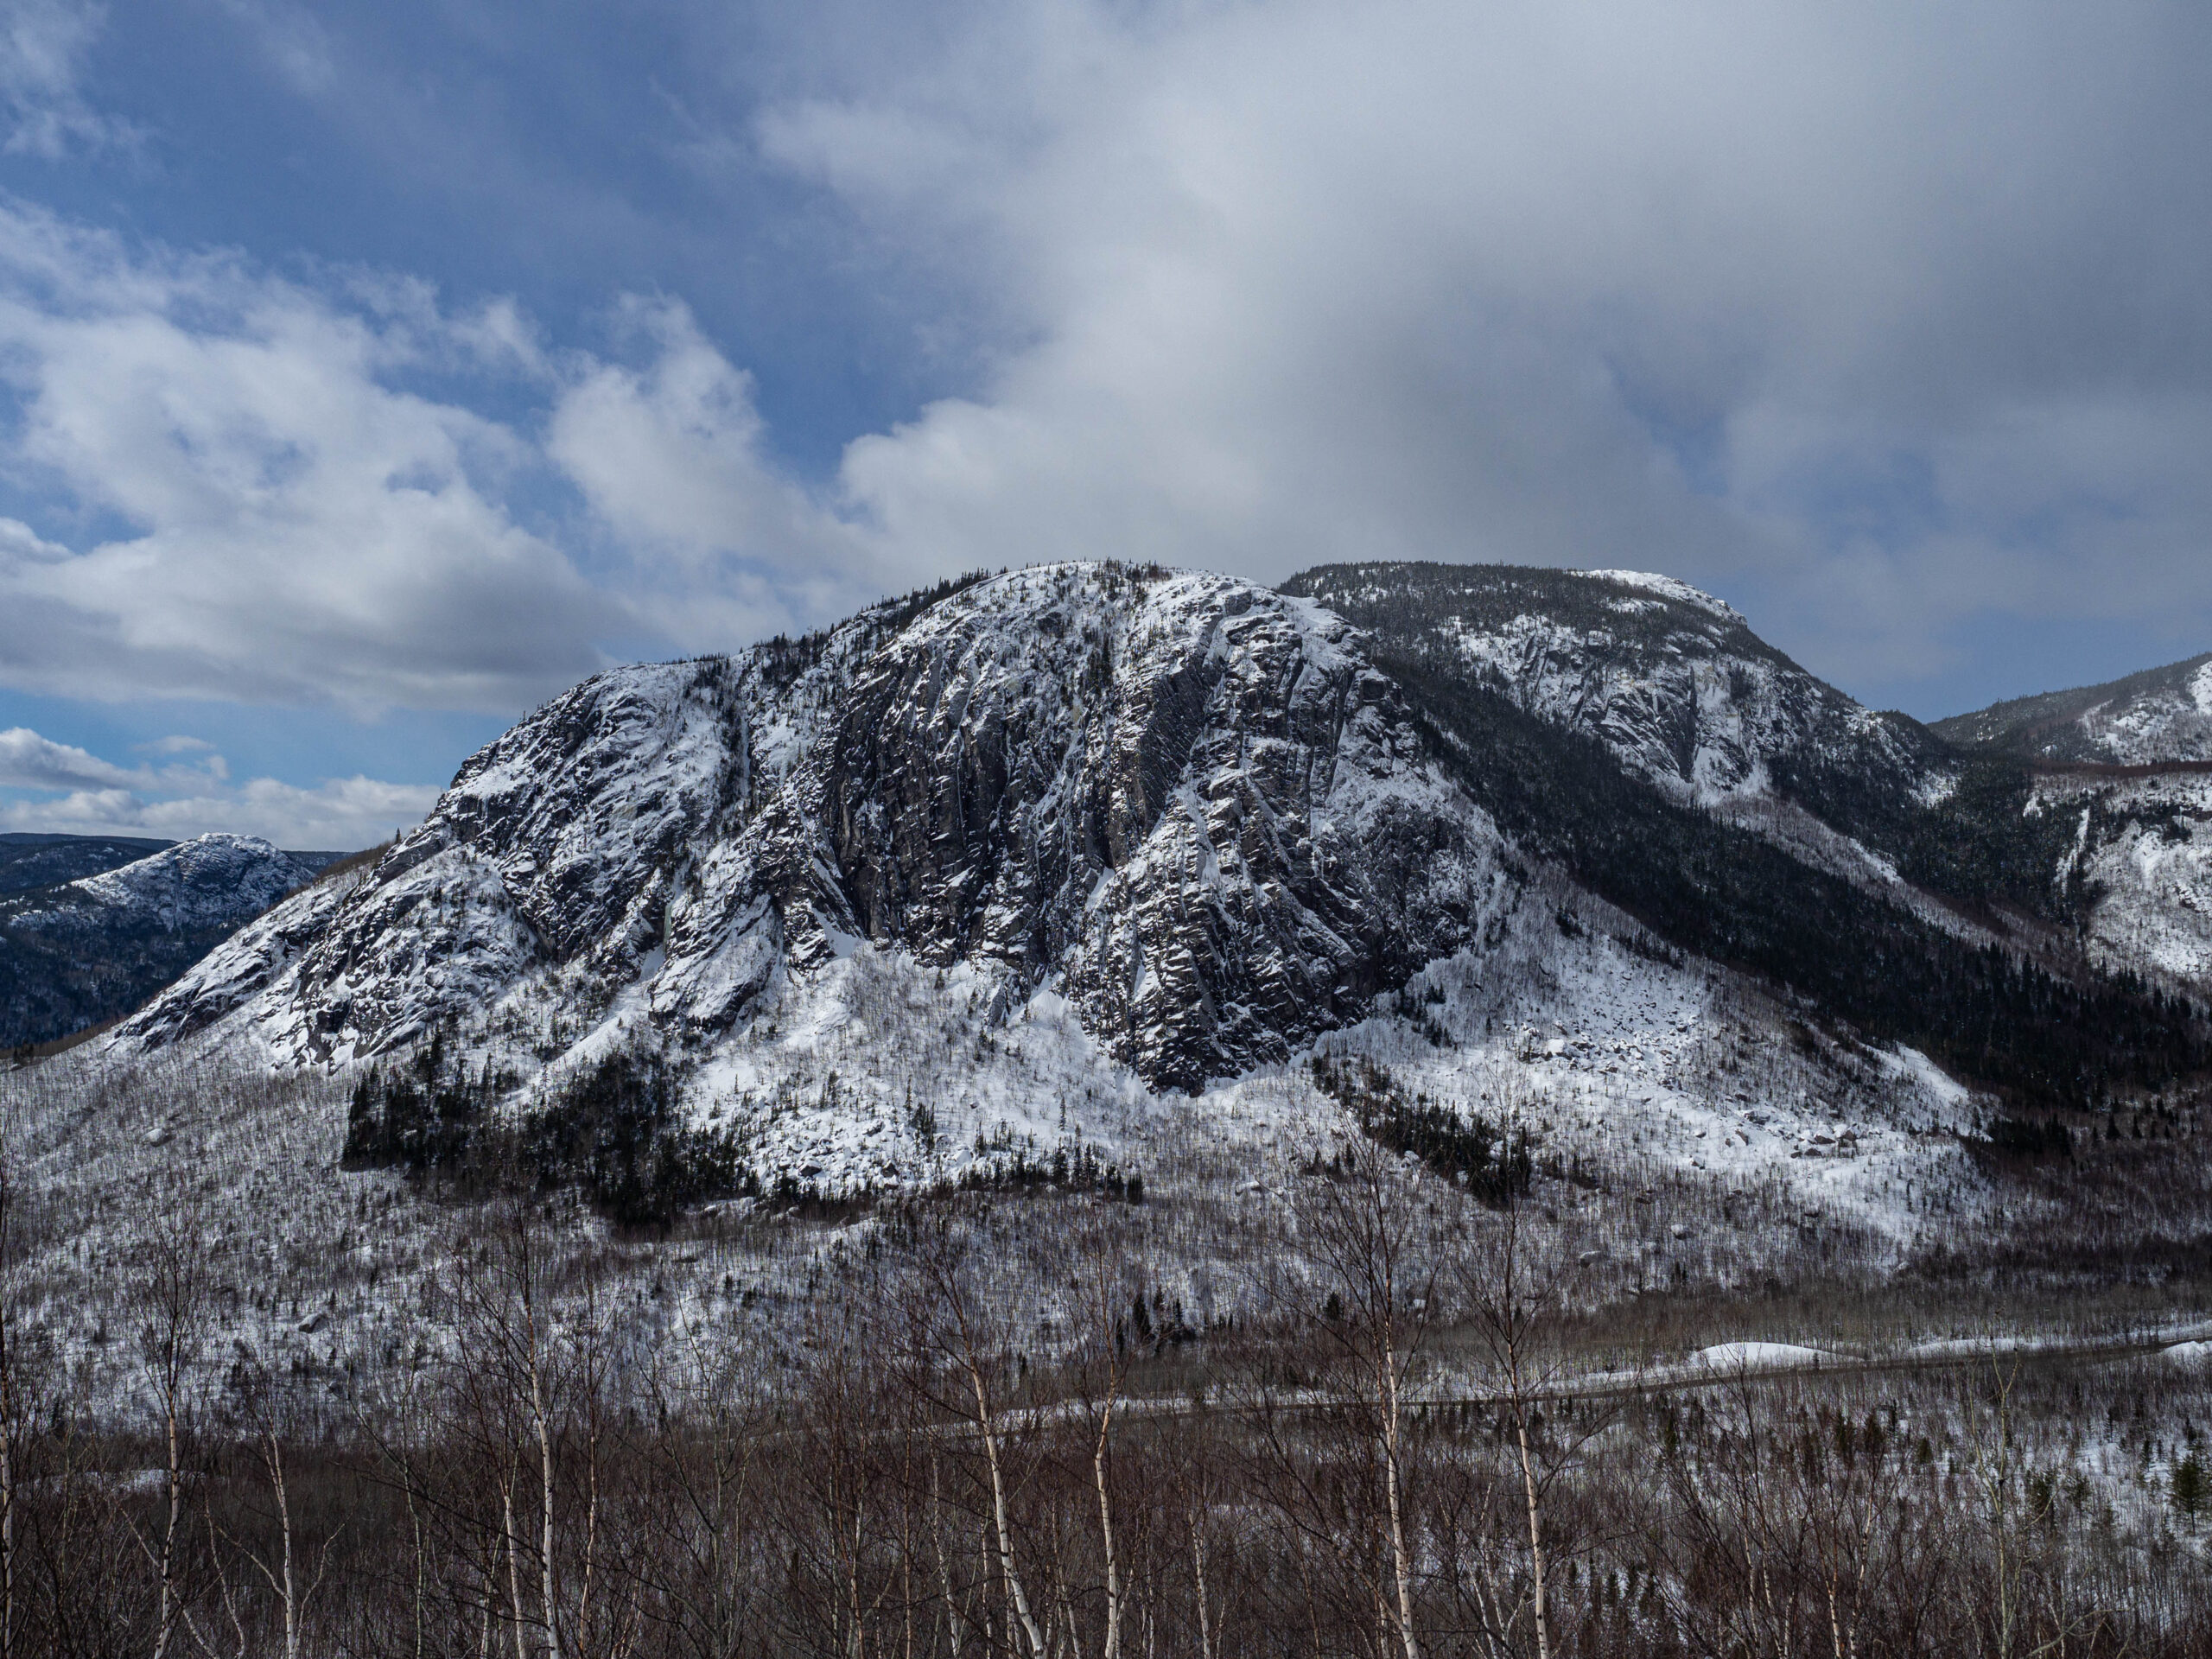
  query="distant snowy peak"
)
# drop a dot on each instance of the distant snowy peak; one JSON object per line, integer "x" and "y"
{"x": 1188, "y": 804}
{"x": 2162, "y": 716}
{"x": 212, "y": 880}
{"x": 78, "y": 952}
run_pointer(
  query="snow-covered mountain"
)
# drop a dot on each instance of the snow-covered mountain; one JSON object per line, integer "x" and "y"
{"x": 32, "y": 860}
{"x": 2122, "y": 773}
{"x": 1013, "y": 857}
{"x": 78, "y": 952}
{"x": 1184, "y": 803}
{"x": 2160, "y": 716}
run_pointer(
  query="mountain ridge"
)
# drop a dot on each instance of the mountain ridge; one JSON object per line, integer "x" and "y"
{"x": 1191, "y": 828}
{"x": 968, "y": 782}
{"x": 2157, "y": 716}
{"x": 78, "y": 952}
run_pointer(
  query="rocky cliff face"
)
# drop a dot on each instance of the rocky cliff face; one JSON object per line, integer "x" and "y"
{"x": 986, "y": 868}
{"x": 1188, "y": 804}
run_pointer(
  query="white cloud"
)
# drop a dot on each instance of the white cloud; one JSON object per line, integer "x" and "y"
{"x": 338, "y": 815}
{"x": 30, "y": 761}
{"x": 294, "y": 44}
{"x": 670, "y": 456}
{"x": 303, "y": 530}
{"x": 42, "y": 47}
{"x": 1881, "y": 316}
{"x": 78, "y": 793}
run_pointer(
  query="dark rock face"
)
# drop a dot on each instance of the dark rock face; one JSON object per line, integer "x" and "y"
{"x": 1188, "y": 803}
{"x": 1195, "y": 809}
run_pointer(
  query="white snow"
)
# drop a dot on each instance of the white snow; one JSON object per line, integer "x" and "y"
{"x": 1667, "y": 587}
{"x": 1757, "y": 1356}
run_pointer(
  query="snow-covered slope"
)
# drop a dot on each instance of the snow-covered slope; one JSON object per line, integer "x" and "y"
{"x": 1185, "y": 804}
{"x": 2142, "y": 850}
{"x": 28, "y": 861}
{"x": 82, "y": 951}
{"x": 1671, "y": 680}
{"x": 2158, "y": 716}
{"x": 212, "y": 880}
{"x": 1680, "y": 693}
{"x": 1011, "y": 863}
{"x": 2125, "y": 771}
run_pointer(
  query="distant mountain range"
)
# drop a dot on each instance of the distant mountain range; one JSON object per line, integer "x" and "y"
{"x": 91, "y": 926}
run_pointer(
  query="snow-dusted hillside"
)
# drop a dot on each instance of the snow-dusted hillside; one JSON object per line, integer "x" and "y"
{"x": 1088, "y": 868}
{"x": 1671, "y": 680}
{"x": 2124, "y": 770}
{"x": 74, "y": 954}
{"x": 2159, "y": 716}
{"x": 29, "y": 862}
{"x": 212, "y": 880}
{"x": 2142, "y": 848}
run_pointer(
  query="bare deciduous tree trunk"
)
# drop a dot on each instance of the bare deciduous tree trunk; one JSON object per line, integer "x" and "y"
{"x": 8, "y": 1400}
{"x": 946, "y": 1324}
{"x": 173, "y": 1302}
{"x": 1507, "y": 1300}
{"x": 1358, "y": 1224}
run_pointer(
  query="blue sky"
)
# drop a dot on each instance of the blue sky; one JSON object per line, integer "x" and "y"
{"x": 370, "y": 372}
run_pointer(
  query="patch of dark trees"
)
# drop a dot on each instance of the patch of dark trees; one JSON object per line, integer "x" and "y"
{"x": 1493, "y": 1163}
{"x": 615, "y": 1133}
{"x": 1080, "y": 1171}
{"x": 784, "y": 658}
{"x": 1978, "y": 847}
{"x": 2022, "y": 1137}
{"x": 79, "y": 965}
{"x": 2044, "y": 1041}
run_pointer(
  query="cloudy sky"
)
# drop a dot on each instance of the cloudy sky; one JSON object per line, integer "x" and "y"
{"x": 370, "y": 370}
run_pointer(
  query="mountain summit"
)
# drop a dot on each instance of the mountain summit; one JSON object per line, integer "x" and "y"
{"x": 1185, "y": 804}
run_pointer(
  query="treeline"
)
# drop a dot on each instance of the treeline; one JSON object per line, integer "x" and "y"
{"x": 1387, "y": 1466}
